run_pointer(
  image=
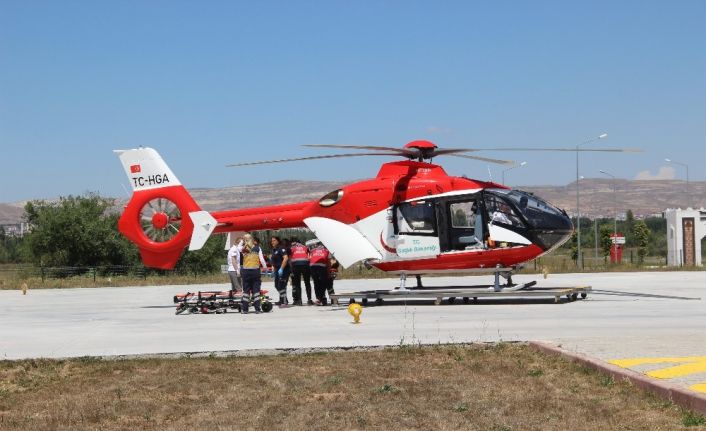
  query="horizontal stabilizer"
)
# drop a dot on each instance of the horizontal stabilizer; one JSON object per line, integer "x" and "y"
{"x": 204, "y": 224}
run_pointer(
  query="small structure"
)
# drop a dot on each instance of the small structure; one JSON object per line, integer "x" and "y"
{"x": 685, "y": 230}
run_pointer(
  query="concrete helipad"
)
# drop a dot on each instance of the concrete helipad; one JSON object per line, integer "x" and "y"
{"x": 640, "y": 317}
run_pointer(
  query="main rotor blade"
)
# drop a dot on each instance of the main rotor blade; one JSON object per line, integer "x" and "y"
{"x": 331, "y": 156}
{"x": 401, "y": 151}
{"x": 485, "y": 159}
{"x": 612, "y": 150}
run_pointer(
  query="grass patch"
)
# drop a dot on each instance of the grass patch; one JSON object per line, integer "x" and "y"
{"x": 484, "y": 387}
{"x": 691, "y": 419}
{"x": 535, "y": 373}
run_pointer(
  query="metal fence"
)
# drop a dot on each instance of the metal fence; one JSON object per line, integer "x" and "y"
{"x": 59, "y": 272}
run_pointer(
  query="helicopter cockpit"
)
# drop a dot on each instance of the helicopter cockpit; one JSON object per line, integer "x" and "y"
{"x": 477, "y": 221}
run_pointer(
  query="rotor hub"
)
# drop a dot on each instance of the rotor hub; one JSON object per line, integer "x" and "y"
{"x": 160, "y": 220}
{"x": 421, "y": 145}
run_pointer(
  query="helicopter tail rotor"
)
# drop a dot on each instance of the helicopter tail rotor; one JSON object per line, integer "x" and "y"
{"x": 161, "y": 217}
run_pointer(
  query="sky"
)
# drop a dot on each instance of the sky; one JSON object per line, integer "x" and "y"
{"x": 219, "y": 82}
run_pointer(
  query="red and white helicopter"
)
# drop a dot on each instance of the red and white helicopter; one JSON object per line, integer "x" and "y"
{"x": 411, "y": 219}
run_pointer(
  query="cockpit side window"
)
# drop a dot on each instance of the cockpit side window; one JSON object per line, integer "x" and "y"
{"x": 416, "y": 217}
{"x": 500, "y": 212}
{"x": 463, "y": 214}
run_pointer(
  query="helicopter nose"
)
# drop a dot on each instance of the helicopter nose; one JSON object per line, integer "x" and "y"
{"x": 555, "y": 230}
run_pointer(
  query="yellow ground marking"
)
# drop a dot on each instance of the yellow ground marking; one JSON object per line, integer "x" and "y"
{"x": 629, "y": 363}
{"x": 687, "y": 365}
{"x": 678, "y": 370}
{"x": 699, "y": 387}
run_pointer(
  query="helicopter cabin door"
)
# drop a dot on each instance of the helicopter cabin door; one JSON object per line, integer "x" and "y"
{"x": 461, "y": 223}
{"x": 416, "y": 229}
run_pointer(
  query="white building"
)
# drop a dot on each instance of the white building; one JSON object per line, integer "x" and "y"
{"x": 685, "y": 230}
{"x": 17, "y": 230}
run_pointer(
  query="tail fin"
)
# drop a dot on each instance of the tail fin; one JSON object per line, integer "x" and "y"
{"x": 154, "y": 219}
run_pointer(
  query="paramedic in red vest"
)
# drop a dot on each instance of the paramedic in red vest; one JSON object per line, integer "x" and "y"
{"x": 280, "y": 268}
{"x": 299, "y": 259}
{"x": 250, "y": 271}
{"x": 319, "y": 260}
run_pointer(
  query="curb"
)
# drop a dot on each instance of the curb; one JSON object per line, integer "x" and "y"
{"x": 677, "y": 394}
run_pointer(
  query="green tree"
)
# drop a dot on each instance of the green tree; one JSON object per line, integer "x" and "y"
{"x": 605, "y": 241}
{"x": 574, "y": 247}
{"x": 205, "y": 261}
{"x": 76, "y": 231}
{"x": 642, "y": 239}
{"x": 629, "y": 226}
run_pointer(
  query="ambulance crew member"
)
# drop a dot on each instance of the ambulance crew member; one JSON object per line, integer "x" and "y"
{"x": 236, "y": 281}
{"x": 332, "y": 275}
{"x": 280, "y": 268}
{"x": 299, "y": 258}
{"x": 250, "y": 270}
{"x": 319, "y": 262}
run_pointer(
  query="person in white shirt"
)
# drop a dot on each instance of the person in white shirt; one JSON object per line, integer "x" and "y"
{"x": 500, "y": 215}
{"x": 236, "y": 280}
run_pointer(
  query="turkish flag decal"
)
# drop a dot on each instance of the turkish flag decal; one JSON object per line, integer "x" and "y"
{"x": 134, "y": 169}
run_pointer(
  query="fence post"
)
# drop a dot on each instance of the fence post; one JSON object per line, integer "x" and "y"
{"x": 94, "y": 275}
{"x": 41, "y": 268}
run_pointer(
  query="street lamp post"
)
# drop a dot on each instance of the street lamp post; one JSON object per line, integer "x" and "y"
{"x": 688, "y": 197}
{"x": 511, "y": 168}
{"x": 578, "y": 207}
{"x": 615, "y": 206}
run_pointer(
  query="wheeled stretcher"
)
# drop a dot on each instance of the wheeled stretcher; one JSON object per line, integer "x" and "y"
{"x": 217, "y": 302}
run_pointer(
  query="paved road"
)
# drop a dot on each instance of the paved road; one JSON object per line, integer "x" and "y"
{"x": 619, "y": 321}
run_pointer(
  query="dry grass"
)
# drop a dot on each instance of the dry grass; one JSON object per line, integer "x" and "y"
{"x": 503, "y": 387}
{"x": 553, "y": 264}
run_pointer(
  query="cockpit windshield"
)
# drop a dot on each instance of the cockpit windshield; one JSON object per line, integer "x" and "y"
{"x": 534, "y": 209}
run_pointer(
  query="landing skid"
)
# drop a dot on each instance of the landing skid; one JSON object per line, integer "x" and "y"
{"x": 466, "y": 294}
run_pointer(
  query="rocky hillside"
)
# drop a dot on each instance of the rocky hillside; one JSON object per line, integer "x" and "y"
{"x": 11, "y": 213}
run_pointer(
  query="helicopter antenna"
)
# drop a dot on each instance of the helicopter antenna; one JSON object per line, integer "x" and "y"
{"x": 489, "y": 174}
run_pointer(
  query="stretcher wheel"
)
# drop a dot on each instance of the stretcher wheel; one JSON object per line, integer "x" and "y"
{"x": 465, "y": 300}
{"x": 452, "y": 300}
{"x": 266, "y": 307}
{"x": 351, "y": 301}
{"x": 364, "y": 301}
{"x": 574, "y": 296}
{"x": 180, "y": 308}
{"x": 584, "y": 295}
{"x": 379, "y": 301}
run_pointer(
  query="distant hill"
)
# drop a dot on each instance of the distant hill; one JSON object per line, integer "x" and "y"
{"x": 11, "y": 213}
{"x": 643, "y": 197}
